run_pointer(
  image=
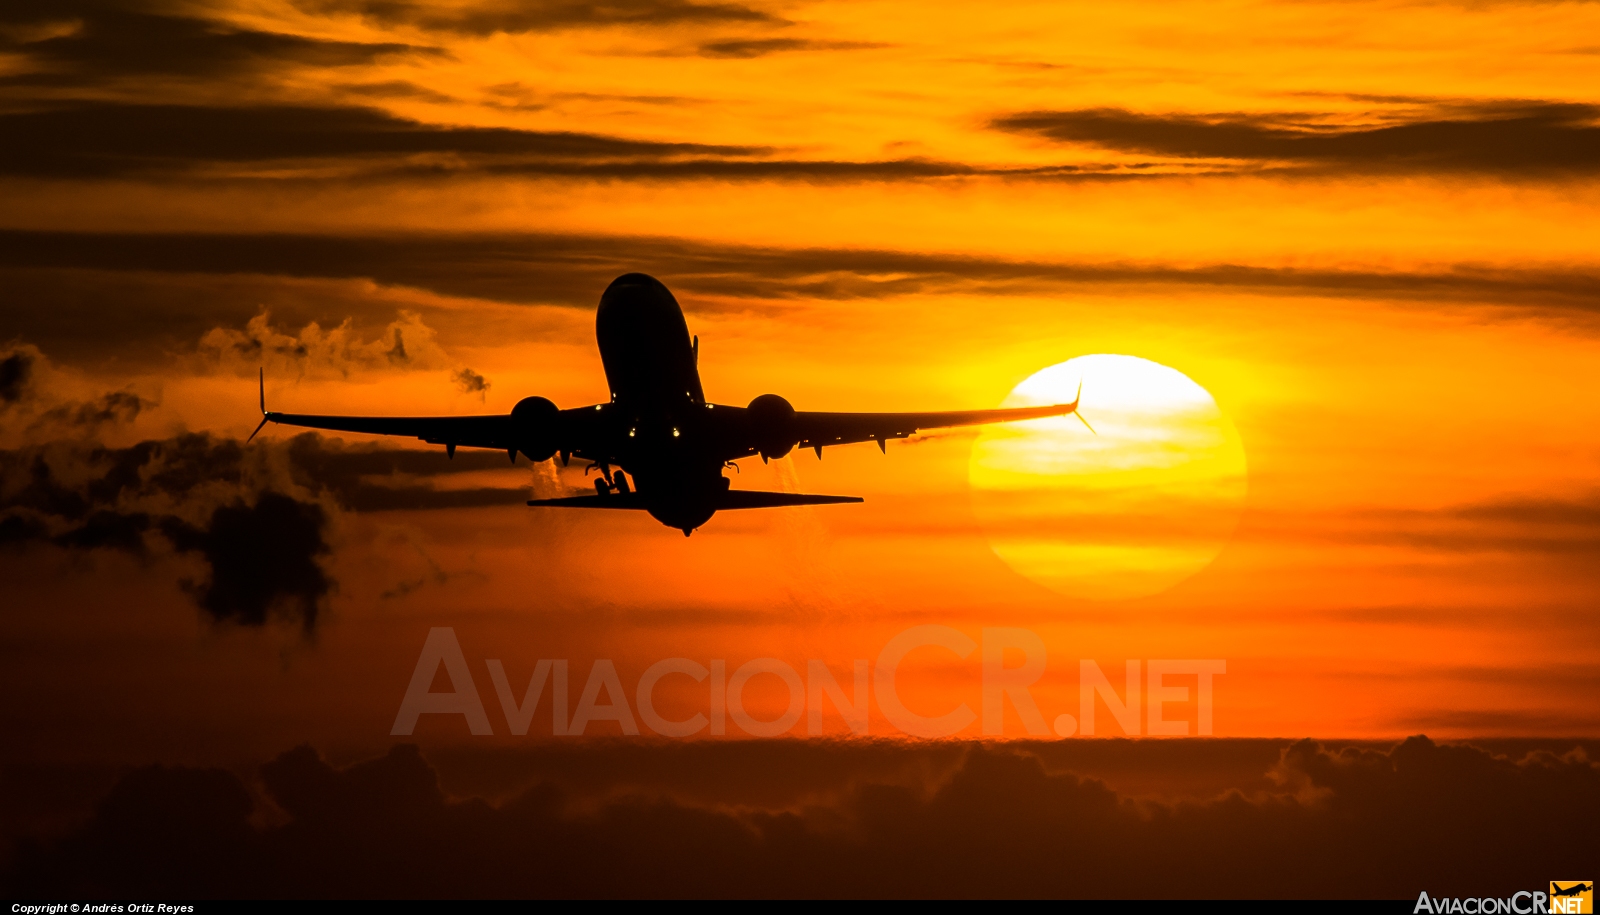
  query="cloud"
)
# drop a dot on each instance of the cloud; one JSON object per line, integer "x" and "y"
{"x": 107, "y": 139}
{"x": 962, "y": 820}
{"x": 29, "y": 406}
{"x": 1556, "y": 529}
{"x": 97, "y": 140}
{"x": 471, "y": 382}
{"x": 113, "y": 407}
{"x": 538, "y": 15}
{"x": 378, "y": 477}
{"x": 571, "y": 269}
{"x": 745, "y": 48}
{"x": 261, "y": 556}
{"x": 260, "y": 545}
{"x": 393, "y": 89}
{"x": 15, "y": 371}
{"x": 259, "y": 518}
{"x": 405, "y": 343}
{"x": 110, "y": 41}
{"x": 131, "y": 316}
{"x": 1514, "y": 138}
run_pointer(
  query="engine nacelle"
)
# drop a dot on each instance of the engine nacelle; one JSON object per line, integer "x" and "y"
{"x": 535, "y": 419}
{"x": 772, "y": 425}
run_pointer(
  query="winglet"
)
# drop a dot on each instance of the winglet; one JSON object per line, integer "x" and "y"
{"x": 1075, "y": 399}
{"x": 262, "y": 380}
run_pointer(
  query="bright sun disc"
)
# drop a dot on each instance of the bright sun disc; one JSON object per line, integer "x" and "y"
{"x": 1130, "y": 512}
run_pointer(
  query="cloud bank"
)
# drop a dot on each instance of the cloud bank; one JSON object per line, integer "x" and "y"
{"x": 962, "y": 820}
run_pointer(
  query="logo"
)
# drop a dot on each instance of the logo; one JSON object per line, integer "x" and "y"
{"x": 1571, "y": 897}
{"x": 1567, "y": 897}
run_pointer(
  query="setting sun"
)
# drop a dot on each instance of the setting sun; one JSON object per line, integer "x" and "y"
{"x": 1131, "y": 508}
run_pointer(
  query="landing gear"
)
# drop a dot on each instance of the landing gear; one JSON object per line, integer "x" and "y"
{"x": 617, "y": 483}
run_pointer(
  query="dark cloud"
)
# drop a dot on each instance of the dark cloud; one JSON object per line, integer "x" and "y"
{"x": 485, "y": 18}
{"x": 471, "y": 382}
{"x": 15, "y": 370}
{"x": 1550, "y": 721}
{"x": 113, "y": 407}
{"x": 1510, "y": 138}
{"x": 261, "y": 557}
{"x": 1573, "y": 513}
{"x": 259, "y": 518}
{"x": 811, "y": 170}
{"x": 113, "y": 40}
{"x": 1552, "y": 529}
{"x": 20, "y": 530}
{"x": 89, "y": 279}
{"x": 108, "y": 530}
{"x": 24, "y": 405}
{"x": 91, "y": 140}
{"x": 395, "y": 89}
{"x": 107, "y": 139}
{"x": 200, "y": 816}
{"x": 377, "y": 477}
{"x": 743, "y": 48}
{"x": 260, "y": 546}
{"x": 949, "y": 819}
{"x": 115, "y": 318}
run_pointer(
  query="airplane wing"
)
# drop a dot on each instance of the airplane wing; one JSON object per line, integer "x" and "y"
{"x": 817, "y": 430}
{"x": 469, "y": 431}
{"x": 733, "y": 498}
{"x": 504, "y": 432}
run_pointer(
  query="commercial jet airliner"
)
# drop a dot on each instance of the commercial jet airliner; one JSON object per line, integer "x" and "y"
{"x": 658, "y": 428}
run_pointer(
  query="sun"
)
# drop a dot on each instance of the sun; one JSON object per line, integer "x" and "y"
{"x": 1129, "y": 512}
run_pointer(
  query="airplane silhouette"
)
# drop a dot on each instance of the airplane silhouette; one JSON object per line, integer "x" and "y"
{"x": 658, "y": 427}
{"x": 1577, "y": 889}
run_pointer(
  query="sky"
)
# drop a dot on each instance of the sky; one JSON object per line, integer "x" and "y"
{"x": 1365, "y": 229}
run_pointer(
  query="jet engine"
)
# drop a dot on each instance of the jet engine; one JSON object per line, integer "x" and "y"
{"x": 536, "y": 419}
{"x": 772, "y": 425}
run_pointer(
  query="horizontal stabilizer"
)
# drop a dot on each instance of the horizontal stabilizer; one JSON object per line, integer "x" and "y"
{"x": 611, "y": 500}
{"x": 733, "y": 498}
{"x": 754, "y": 498}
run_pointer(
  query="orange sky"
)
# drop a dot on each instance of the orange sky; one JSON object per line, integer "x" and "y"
{"x": 1367, "y": 229}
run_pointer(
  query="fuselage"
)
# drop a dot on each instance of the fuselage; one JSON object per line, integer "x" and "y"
{"x": 657, "y": 417}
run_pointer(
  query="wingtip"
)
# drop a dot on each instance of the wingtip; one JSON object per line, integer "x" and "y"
{"x": 264, "y": 421}
{"x": 261, "y": 381}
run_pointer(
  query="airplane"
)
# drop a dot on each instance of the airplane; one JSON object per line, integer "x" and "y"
{"x": 1577, "y": 889}
{"x": 658, "y": 428}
